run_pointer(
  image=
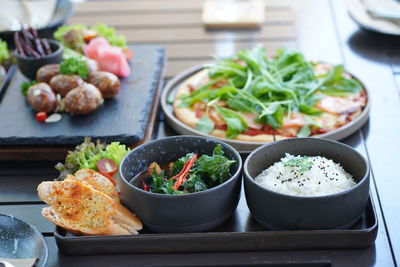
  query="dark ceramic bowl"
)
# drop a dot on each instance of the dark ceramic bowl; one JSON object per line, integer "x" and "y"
{"x": 29, "y": 66}
{"x": 280, "y": 211}
{"x": 194, "y": 212}
{"x": 21, "y": 240}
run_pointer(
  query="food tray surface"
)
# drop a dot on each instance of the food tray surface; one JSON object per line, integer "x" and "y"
{"x": 123, "y": 118}
{"x": 240, "y": 233}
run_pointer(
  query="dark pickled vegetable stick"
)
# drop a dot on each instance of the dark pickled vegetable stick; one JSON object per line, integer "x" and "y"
{"x": 31, "y": 51}
{"x": 17, "y": 42}
{"x": 46, "y": 46}
{"x": 29, "y": 44}
{"x": 39, "y": 47}
{"x": 28, "y": 35}
{"x": 34, "y": 32}
{"x": 25, "y": 39}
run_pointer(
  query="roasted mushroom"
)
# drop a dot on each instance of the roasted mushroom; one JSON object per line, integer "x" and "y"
{"x": 62, "y": 84}
{"x": 83, "y": 99}
{"x": 42, "y": 98}
{"x": 45, "y": 73}
{"x": 108, "y": 84}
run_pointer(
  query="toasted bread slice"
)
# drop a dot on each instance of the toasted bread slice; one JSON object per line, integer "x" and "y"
{"x": 81, "y": 209}
{"x": 97, "y": 181}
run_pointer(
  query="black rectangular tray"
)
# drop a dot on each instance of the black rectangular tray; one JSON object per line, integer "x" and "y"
{"x": 123, "y": 118}
{"x": 240, "y": 233}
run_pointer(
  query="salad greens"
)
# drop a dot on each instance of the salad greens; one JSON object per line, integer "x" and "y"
{"x": 74, "y": 65}
{"x": 58, "y": 34}
{"x": 74, "y": 36}
{"x": 269, "y": 87}
{"x": 190, "y": 173}
{"x": 87, "y": 154}
{"x": 109, "y": 33}
{"x": 3, "y": 51}
{"x": 71, "y": 36}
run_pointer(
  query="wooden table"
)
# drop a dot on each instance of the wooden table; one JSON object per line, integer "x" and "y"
{"x": 322, "y": 30}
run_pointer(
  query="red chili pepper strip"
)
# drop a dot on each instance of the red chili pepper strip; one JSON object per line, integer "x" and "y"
{"x": 183, "y": 169}
{"x": 145, "y": 186}
{"x": 184, "y": 173}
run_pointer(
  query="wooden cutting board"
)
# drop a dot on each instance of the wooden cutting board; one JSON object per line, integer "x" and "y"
{"x": 127, "y": 118}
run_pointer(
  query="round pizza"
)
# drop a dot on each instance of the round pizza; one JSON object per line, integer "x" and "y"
{"x": 255, "y": 98}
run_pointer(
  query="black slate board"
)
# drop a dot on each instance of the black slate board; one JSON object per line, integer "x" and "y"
{"x": 123, "y": 118}
{"x": 240, "y": 233}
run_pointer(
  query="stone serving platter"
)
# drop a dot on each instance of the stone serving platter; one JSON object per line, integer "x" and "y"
{"x": 124, "y": 118}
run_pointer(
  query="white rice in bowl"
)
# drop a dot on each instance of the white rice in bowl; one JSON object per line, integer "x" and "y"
{"x": 305, "y": 176}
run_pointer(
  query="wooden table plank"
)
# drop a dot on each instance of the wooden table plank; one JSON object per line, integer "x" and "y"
{"x": 382, "y": 140}
{"x": 199, "y": 34}
{"x": 167, "y": 19}
{"x": 206, "y": 51}
{"x": 139, "y": 6}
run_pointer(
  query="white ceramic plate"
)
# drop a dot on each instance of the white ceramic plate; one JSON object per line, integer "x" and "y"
{"x": 361, "y": 16}
{"x": 172, "y": 86}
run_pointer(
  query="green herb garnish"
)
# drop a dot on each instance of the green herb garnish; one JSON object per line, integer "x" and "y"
{"x": 25, "y": 87}
{"x": 74, "y": 65}
{"x": 303, "y": 164}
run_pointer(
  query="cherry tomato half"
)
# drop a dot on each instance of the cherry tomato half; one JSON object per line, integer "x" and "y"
{"x": 107, "y": 166}
{"x": 109, "y": 177}
{"x": 41, "y": 116}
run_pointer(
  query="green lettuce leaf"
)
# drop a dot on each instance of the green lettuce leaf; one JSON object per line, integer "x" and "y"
{"x": 110, "y": 34}
{"x": 236, "y": 123}
{"x": 87, "y": 154}
{"x": 3, "y": 51}
{"x": 205, "y": 125}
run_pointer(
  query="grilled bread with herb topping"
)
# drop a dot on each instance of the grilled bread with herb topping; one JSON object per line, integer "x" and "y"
{"x": 81, "y": 209}
{"x": 97, "y": 181}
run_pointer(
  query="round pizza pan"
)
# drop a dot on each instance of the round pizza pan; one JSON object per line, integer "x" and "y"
{"x": 168, "y": 95}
